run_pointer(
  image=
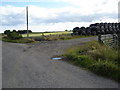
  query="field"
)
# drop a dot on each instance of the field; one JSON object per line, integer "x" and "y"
{"x": 47, "y": 33}
{"x": 40, "y": 36}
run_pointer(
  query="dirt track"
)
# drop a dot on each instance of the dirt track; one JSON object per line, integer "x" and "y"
{"x": 30, "y": 66}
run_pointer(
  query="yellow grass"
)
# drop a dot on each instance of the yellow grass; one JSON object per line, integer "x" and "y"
{"x": 52, "y": 33}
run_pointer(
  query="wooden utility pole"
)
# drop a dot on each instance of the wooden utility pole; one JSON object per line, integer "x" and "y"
{"x": 27, "y": 20}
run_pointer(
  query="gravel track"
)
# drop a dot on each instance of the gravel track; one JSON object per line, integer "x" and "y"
{"x": 30, "y": 66}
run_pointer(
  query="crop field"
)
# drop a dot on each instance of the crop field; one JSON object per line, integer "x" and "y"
{"x": 46, "y": 33}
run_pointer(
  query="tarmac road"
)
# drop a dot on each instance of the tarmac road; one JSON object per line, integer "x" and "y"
{"x": 31, "y": 66}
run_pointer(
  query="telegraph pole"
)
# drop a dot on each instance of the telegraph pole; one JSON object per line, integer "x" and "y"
{"x": 27, "y": 20}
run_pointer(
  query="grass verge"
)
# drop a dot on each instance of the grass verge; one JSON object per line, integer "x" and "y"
{"x": 22, "y": 40}
{"x": 97, "y": 58}
{"x": 59, "y": 37}
{"x": 45, "y": 38}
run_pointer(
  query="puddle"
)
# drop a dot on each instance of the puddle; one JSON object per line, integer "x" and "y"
{"x": 56, "y": 58}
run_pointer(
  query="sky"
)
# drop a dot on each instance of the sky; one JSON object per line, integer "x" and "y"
{"x": 56, "y": 15}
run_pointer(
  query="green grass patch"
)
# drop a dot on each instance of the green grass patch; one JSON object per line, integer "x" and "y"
{"x": 106, "y": 68}
{"x": 22, "y": 40}
{"x": 84, "y": 61}
{"x": 1, "y": 37}
{"x": 96, "y": 57}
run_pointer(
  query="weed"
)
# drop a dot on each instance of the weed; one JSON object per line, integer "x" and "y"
{"x": 98, "y": 58}
{"x": 22, "y": 40}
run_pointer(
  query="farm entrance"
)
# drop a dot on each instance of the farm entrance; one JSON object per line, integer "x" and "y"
{"x": 109, "y": 39}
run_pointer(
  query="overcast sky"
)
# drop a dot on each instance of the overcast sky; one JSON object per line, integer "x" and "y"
{"x": 56, "y": 15}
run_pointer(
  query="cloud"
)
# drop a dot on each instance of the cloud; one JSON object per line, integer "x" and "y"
{"x": 80, "y": 12}
{"x": 94, "y": 6}
{"x": 16, "y": 15}
{"x": 11, "y": 15}
{"x": 47, "y": 26}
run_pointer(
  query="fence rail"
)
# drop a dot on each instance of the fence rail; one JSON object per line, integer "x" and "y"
{"x": 109, "y": 39}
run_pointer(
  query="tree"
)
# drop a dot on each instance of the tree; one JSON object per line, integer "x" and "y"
{"x": 14, "y": 35}
{"x": 29, "y": 31}
{"x": 24, "y": 31}
{"x": 6, "y": 31}
{"x": 14, "y": 30}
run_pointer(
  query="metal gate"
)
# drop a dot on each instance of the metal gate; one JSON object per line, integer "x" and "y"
{"x": 109, "y": 39}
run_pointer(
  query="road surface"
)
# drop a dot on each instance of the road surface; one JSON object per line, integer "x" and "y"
{"x": 31, "y": 66}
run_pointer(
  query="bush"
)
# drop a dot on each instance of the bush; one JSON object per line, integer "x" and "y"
{"x": 107, "y": 69}
{"x": 14, "y": 35}
{"x": 96, "y": 50}
{"x": 6, "y": 31}
{"x": 22, "y": 40}
{"x": 84, "y": 61}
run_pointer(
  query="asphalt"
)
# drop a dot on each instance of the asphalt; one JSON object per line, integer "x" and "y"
{"x": 31, "y": 66}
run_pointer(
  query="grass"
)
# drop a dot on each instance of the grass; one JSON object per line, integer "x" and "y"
{"x": 0, "y": 37}
{"x": 48, "y": 36}
{"x": 97, "y": 58}
{"x": 47, "y": 33}
{"x": 43, "y": 38}
{"x": 61, "y": 37}
{"x": 22, "y": 40}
